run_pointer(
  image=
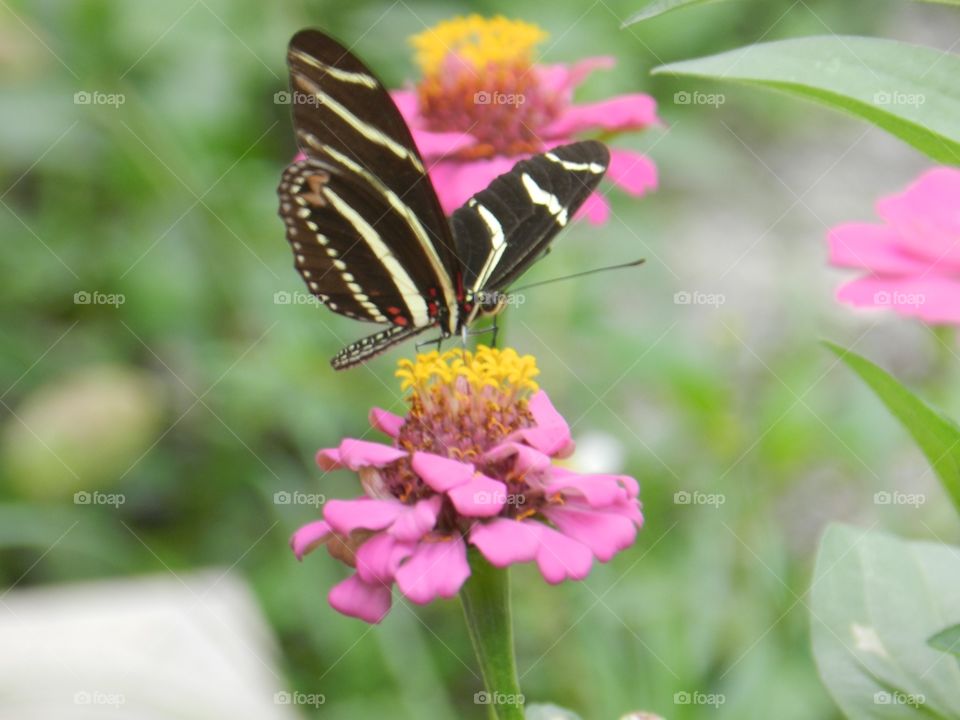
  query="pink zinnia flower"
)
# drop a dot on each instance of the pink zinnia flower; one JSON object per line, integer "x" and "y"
{"x": 471, "y": 463}
{"x": 483, "y": 104}
{"x": 913, "y": 257}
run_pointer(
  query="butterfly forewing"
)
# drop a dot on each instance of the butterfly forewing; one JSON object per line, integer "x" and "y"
{"x": 378, "y": 202}
{"x": 503, "y": 229}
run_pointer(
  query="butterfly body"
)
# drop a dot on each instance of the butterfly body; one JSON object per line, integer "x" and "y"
{"x": 365, "y": 225}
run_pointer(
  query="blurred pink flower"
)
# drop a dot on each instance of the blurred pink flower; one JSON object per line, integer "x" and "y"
{"x": 483, "y": 105}
{"x": 913, "y": 257}
{"x": 470, "y": 463}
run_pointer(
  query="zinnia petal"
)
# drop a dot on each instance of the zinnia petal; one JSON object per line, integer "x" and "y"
{"x": 415, "y": 521}
{"x": 504, "y": 542}
{"x": 436, "y": 569}
{"x": 933, "y": 299}
{"x": 595, "y": 208}
{"x": 386, "y": 422}
{"x": 624, "y": 112}
{"x": 551, "y": 435}
{"x": 355, "y": 454}
{"x": 632, "y": 171}
{"x": 925, "y": 215}
{"x": 562, "y": 78}
{"x": 481, "y": 497}
{"x": 874, "y": 247}
{"x": 309, "y": 537}
{"x": 441, "y": 473}
{"x": 369, "y": 602}
{"x": 599, "y": 491}
{"x": 457, "y": 182}
{"x": 605, "y": 533}
{"x": 379, "y": 557}
{"x": 345, "y": 516}
{"x": 560, "y": 557}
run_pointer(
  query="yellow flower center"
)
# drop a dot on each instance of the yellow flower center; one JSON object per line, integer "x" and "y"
{"x": 479, "y": 78}
{"x": 478, "y": 42}
{"x": 503, "y": 370}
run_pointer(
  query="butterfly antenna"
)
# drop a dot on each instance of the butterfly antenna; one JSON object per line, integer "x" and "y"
{"x": 632, "y": 263}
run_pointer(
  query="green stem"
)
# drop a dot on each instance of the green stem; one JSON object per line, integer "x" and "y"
{"x": 486, "y": 605}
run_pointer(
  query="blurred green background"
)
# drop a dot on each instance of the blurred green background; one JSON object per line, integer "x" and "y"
{"x": 198, "y": 397}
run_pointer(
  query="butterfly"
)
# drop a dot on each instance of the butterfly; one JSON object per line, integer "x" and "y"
{"x": 368, "y": 234}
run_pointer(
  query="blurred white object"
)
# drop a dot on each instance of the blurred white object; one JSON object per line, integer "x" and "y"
{"x": 185, "y": 647}
{"x": 598, "y": 452}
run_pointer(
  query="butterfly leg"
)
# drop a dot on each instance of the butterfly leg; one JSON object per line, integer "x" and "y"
{"x": 437, "y": 341}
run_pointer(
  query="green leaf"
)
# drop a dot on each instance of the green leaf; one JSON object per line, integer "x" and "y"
{"x": 875, "y": 600}
{"x": 936, "y": 435}
{"x": 661, "y": 7}
{"x": 908, "y": 90}
{"x": 947, "y": 640}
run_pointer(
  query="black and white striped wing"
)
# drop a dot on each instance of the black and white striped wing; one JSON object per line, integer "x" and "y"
{"x": 368, "y": 233}
{"x": 502, "y": 230}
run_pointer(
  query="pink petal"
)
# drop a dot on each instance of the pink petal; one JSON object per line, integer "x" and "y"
{"x": 369, "y": 602}
{"x": 934, "y": 299}
{"x": 526, "y": 458}
{"x": 345, "y": 516}
{"x": 309, "y": 537}
{"x": 299, "y": 157}
{"x": 379, "y": 557}
{"x": 436, "y": 569}
{"x": 561, "y": 79}
{"x": 504, "y": 542}
{"x": 386, "y": 422}
{"x": 481, "y": 497}
{"x": 624, "y": 112}
{"x": 875, "y": 247}
{"x": 927, "y": 214}
{"x": 436, "y": 145}
{"x": 599, "y": 491}
{"x": 417, "y": 520}
{"x": 356, "y": 454}
{"x": 456, "y": 181}
{"x": 632, "y": 171}
{"x": 329, "y": 459}
{"x": 408, "y": 104}
{"x": 551, "y": 435}
{"x": 441, "y": 473}
{"x": 560, "y": 557}
{"x": 596, "y": 209}
{"x": 605, "y": 533}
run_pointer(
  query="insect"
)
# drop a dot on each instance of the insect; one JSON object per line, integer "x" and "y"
{"x": 367, "y": 231}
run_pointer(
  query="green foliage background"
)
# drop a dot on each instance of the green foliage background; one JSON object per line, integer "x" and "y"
{"x": 216, "y": 397}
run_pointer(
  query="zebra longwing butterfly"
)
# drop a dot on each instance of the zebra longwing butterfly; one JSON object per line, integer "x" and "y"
{"x": 368, "y": 234}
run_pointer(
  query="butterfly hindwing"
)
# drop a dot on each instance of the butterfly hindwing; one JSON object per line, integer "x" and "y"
{"x": 503, "y": 229}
